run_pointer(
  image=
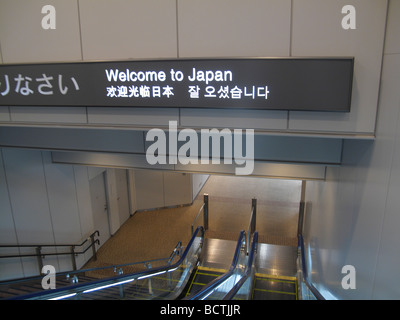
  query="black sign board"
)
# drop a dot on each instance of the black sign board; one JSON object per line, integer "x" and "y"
{"x": 312, "y": 84}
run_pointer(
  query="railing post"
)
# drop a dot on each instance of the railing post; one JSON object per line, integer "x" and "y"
{"x": 73, "y": 257}
{"x": 93, "y": 244}
{"x": 148, "y": 265}
{"x": 39, "y": 258}
{"x": 121, "y": 286}
{"x": 252, "y": 225}
{"x": 169, "y": 279}
{"x": 254, "y": 215}
{"x": 301, "y": 218}
{"x": 205, "y": 213}
{"x": 301, "y": 209}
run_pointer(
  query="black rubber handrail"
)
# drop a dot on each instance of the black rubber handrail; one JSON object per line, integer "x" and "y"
{"x": 248, "y": 272}
{"x": 218, "y": 281}
{"x": 116, "y": 280}
{"x": 48, "y": 245}
{"x": 310, "y": 286}
{"x": 173, "y": 254}
{"x": 40, "y": 255}
{"x": 97, "y": 241}
{"x": 307, "y": 281}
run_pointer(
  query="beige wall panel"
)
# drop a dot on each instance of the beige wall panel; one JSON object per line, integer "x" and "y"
{"x": 23, "y": 39}
{"x": 317, "y": 31}
{"x": 125, "y": 29}
{"x": 177, "y": 188}
{"x": 215, "y": 28}
{"x": 392, "y": 41}
{"x": 150, "y": 191}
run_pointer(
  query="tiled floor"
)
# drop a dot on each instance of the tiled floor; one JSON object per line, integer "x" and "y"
{"x": 277, "y": 205}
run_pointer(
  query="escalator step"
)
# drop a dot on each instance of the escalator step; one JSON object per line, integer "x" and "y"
{"x": 268, "y": 287}
{"x": 203, "y": 276}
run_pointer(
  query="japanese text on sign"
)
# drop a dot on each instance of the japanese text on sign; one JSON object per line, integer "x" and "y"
{"x": 193, "y": 91}
{"x": 306, "y": 84}
{"x": 44, "y": 85}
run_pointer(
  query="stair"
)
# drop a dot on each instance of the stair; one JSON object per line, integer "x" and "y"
{"x": 270, "y": 287}
{"x": 222, "y": 235}
{"x": 201, "y": 277}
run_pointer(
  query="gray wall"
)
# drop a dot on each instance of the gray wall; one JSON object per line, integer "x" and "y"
{"x": 47, "y": 203}
{"x": 41, "y": 203}
{"x": 353, "y": 217}
{"x": 159, "y": 189}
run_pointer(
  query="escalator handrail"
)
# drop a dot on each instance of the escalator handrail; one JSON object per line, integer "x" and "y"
{"x": 80, "y": 287}
{"x": 207, "y": 290}
{"x": 50, "y": 245}
{"x": 73, "y": 272}
{"x": 248, "y": 272}
{"x": 304, "y": 270}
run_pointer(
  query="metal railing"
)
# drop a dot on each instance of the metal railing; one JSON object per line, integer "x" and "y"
{"x": 302, "y": 256}
{"x": 118, "y": 268}
{"x": 40, "y": 255}
{"x": 304, "y": 271}
{"x": 252, "y": 224}
{"x": 249, "y": 272}
{"x": 303, "y": 275}
{"x": 204, "y": 210}
{"x": 213, "y": 285}
{"x": 84, "y": 275}
{"x": 81, "y": 289}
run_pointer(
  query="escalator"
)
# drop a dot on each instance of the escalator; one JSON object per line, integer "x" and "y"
{"x": 197, "y": 275}
{"x": 242, "y": 282}
{"x": 201, "y": 277}
{"x": 164, "y": 282}
{"x": 268, "y": 287}
{"x": 236, "y": 282}
{"x": 251, "y": 279}
{"x": 26, "y": 286}
{"x": 202, "y": 272}
{"x": 190, "y": 274}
